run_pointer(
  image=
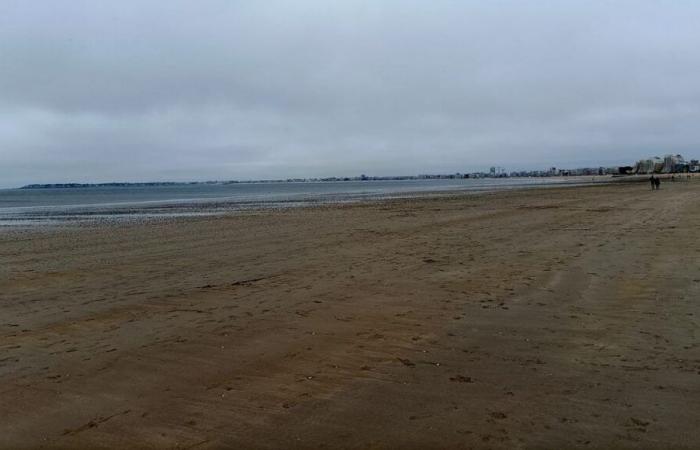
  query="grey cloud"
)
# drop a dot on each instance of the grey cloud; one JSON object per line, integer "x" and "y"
{"x": 227, "y": 89}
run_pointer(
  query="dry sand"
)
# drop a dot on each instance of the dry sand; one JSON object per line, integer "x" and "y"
{"x": 555, "y": 318}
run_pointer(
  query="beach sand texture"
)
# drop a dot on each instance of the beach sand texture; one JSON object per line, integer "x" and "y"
{"x": 563, "y": 317}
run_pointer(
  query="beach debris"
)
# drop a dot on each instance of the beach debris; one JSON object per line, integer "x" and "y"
{"x": 235, "y": 283}
{"x": 639, "y": 422}
{"x": 424, "y": 416}
{"x": 249, "y": 281}
{"x": 407, "y": 362}
{"x": 93, "y": 423}
{"x": 462, "y": 379}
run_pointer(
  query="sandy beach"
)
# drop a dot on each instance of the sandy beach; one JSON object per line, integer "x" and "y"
{"x": 536, "y": 318}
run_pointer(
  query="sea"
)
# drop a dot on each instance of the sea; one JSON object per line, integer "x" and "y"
{"x": 61, "y": 206}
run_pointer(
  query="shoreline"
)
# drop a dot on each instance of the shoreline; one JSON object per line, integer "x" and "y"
{"x": 158, "y": 210}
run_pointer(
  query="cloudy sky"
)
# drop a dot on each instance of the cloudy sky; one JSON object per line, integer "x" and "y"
{"x": 196, "y": 90}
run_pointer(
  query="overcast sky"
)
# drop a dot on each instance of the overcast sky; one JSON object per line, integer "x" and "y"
{"x": 96, "y": 91}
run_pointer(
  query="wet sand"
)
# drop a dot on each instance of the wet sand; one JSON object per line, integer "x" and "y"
{"x": 564, "y": 317}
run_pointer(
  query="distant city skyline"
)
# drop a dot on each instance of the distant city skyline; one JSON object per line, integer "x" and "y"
{"x": 218, "y": 90}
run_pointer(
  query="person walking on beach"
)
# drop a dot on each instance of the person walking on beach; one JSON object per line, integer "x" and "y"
{"x": 657, "y": 182}
{"x": 653, "y": 182}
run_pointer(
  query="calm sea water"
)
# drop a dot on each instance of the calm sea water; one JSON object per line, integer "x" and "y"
{"x": 27, "y": 207}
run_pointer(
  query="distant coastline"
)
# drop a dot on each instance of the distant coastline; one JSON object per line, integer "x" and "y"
{"x": 225, "y": 182}
{"x": 288, "y": 180}
{"x": 136, "y": 184}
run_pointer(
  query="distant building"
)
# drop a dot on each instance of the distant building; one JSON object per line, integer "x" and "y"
{"x": 667, "y": 164}
{"x": 673, "y": 164}
{"x": 649, "y": 165}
